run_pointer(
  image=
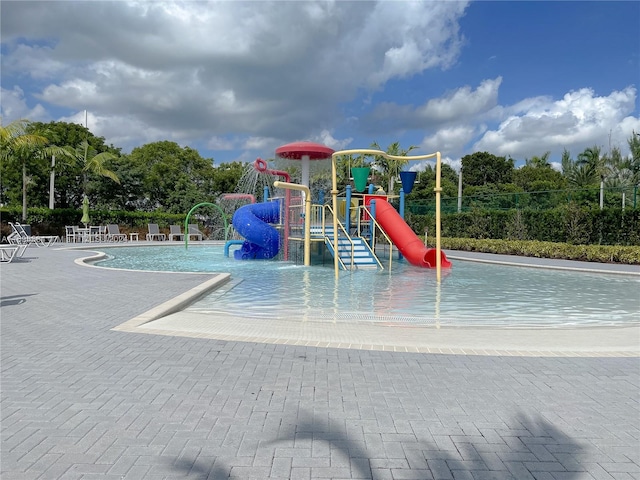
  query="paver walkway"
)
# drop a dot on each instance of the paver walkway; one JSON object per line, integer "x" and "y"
{"x": 81, "y": 401}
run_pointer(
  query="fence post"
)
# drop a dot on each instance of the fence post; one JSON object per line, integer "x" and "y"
{"x": 460, "y": 190}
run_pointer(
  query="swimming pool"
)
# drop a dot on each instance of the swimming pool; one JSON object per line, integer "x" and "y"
{"x": 471, "y": 294}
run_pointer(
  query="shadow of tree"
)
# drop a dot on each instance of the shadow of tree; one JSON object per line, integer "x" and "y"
{"x": 528, "y": 448}
{"x": 201, "y": 470}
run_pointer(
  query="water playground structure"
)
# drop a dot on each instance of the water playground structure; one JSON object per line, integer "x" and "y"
{"x": 353, "y": 228}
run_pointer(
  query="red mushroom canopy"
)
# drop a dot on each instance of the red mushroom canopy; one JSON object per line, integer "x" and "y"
{"x": 297, "y": 150}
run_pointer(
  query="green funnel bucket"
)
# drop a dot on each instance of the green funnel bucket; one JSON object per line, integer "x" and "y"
{"x": 407, "y": 179}
{"x": 360, "y": 176}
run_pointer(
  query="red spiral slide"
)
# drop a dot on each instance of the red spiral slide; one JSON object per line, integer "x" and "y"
{"x": 410, "y": 246}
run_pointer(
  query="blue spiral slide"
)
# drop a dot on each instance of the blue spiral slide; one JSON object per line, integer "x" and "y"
{"x": 252, "y": 222}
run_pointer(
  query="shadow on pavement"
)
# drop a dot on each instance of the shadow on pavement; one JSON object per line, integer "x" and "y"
{"x": 530, "y": 446}
{"x": 14, "y": 299}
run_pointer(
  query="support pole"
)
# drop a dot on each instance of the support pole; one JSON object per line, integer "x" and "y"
{"x": 347, "y": 209}
{"x": 334, "y": 205}
{"x": 460, "y": 190}
{"x": 52, "y": 179}
{"x": 438, "y": 191}
{"x": 401, "y": 212}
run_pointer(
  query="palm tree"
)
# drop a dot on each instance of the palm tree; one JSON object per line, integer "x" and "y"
{"x": 577, "y": 175}
{"x": 92, "y": 162}
{"x": 18, "y": 145}
{"x": 597, "y": 165}
{"x": 623, "y": 172}
{"x": 388, "y": 167}
{"x": 634, "y": 158}
{"x": 539, "y": 162}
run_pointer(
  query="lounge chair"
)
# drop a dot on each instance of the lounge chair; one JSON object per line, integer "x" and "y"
{"x": 154, "y": 233}
{"x": 21, "y": 235}
{"x": 175, "y": 231}
{"x": 9, "y": 252}
{"x": 194, "y": 231}
{"x": 114, "y": 235}
{"x": 14, "y": 237}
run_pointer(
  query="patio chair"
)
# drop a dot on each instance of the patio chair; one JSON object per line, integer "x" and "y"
{"x": 194, "y": 231}
{"x": 71, "y": 233}
{"x": 97, "y": 233}
{"x": 76, "y": 234}
{"x": 175, "y": 231}
{"x": 154, "y": 233}
{"x": 114, "y": 235}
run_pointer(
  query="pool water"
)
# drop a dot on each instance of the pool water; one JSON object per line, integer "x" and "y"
{"x": 470, "y": 294}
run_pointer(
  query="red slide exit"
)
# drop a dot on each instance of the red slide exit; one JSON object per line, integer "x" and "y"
{"x": 405, "y": 239}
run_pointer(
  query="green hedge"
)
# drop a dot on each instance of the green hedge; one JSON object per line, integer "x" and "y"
{"x": 566, "y": 224}
{"x": 588, "y": 253}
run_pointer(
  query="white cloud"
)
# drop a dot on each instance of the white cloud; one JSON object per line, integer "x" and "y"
{"x": 529, "y": 127}
{"x": 579, "y": 120}
{"x": 218, "y": 69}
{"x": 415, "y": 37}
{"x": 258, "y": 143}
{"x": 220, "y": 143}
{"x": 462, "y": 103}
{"x": 13, "y": 107}
{"x": 445, "y": 160}
{"x": 326, "y": 138}
{"x": 126, "y": 132}
{"x": 453, "y": 107}
{"x": 35, "y": 59}
{"x": 450, "y": 139}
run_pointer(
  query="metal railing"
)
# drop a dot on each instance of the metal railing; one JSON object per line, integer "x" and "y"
{"x": 329, "y": 238}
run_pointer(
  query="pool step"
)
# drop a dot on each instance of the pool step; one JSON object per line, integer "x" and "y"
{"x": 363, "y": 257}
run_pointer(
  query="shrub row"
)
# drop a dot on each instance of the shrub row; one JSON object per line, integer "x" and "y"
{"x": 567, "y": 224}
{"x": 588, "y": 253}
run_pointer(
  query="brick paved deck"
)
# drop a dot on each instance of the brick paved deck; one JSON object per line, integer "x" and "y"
{"x": 82, "y": 401}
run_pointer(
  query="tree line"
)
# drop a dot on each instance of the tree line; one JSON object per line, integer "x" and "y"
{"x": 162, "y": 176}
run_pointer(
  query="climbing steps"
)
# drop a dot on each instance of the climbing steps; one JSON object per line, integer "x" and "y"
{"x": 362, "y": 256}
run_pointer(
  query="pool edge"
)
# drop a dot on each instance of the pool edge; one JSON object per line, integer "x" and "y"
{"x": 174, "y": 305}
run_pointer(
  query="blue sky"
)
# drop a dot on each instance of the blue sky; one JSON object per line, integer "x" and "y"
{"x": 235, "y": 80}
